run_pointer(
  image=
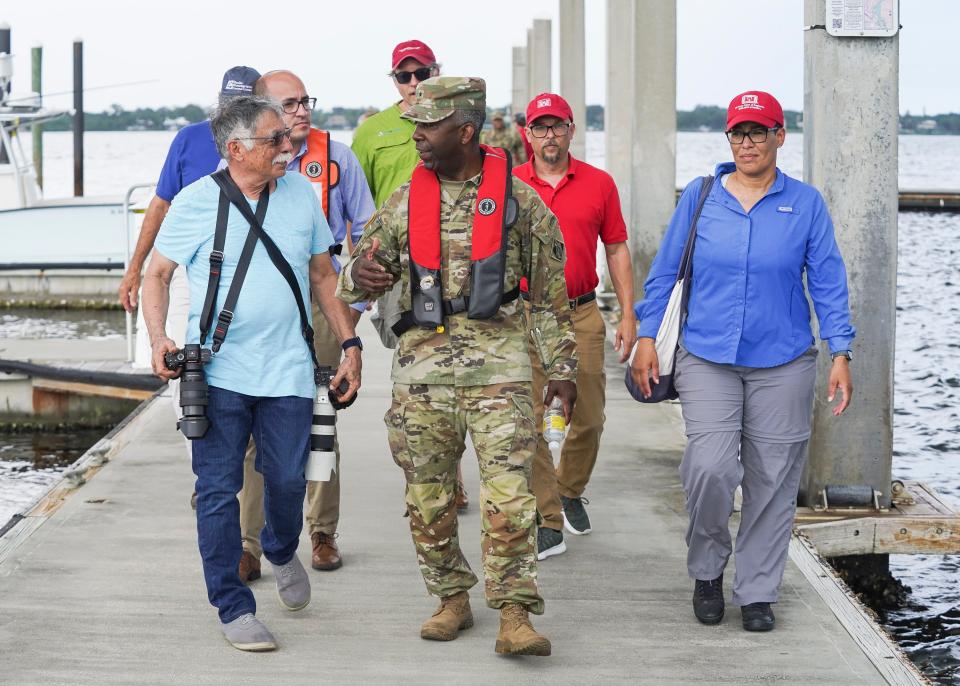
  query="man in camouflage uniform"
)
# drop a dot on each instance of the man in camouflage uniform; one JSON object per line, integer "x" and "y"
{"x": 470, "y": 374}
{"x": 503, "y": 136}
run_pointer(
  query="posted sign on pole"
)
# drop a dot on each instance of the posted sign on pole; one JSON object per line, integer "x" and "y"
{"x": 863, "y": 18}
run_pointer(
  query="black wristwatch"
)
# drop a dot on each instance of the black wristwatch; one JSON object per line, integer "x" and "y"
{"x": 842, "y": 353}
{"x": 351, "y": 343}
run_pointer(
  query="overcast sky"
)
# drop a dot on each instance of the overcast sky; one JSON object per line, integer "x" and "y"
{"x": 342, "y": 49}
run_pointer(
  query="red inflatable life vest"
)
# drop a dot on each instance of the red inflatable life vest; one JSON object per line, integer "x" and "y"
{"x": 495, "y": 212}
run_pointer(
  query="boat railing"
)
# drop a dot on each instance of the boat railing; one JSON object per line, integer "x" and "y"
{"x": 127, "y": 211}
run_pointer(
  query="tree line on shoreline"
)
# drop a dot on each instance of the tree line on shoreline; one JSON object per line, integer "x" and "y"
{"x": 701, "y": 118}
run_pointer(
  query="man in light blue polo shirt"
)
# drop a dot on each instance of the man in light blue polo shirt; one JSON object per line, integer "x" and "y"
{"x": 261, "y": 380}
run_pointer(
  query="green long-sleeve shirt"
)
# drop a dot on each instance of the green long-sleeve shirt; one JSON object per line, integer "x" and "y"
{"x": 384, "y": 145}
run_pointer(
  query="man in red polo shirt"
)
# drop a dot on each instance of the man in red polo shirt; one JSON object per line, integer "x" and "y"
{"x": 587, "y": 204}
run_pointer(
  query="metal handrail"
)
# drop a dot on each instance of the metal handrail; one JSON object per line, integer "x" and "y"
{"x": 126, "y": 259}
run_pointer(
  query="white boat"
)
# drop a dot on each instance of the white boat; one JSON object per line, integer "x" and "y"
{"x": 53, "y": 247}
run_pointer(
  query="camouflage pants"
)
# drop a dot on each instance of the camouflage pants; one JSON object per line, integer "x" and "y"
{"x": 427, "y": 425}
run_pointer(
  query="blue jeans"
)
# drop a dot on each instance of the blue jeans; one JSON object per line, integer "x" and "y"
{"x": 281, "y": 431}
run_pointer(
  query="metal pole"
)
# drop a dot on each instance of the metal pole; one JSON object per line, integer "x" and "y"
{"x": 78, "y": 118}
{"x": 36, "y": 131}
{"x": 6, "y": 46}
{"x": 850, "y": 122}
{"x": 520, "y": 96}
{"x": 654, "y": 141}
{"x": 618, "y": 113}
{"x": 573, "y": 70}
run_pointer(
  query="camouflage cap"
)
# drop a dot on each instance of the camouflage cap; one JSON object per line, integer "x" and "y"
{"x": 441, "y": 96}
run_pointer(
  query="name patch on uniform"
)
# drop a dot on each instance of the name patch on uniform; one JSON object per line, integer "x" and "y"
{"x": 313, "y": 169}
{"x": 784, "y": 208}
{"x": 486, "y": 207}
{"x": 557, "y": 251}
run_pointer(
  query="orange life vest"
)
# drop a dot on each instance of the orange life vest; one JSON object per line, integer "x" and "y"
{"x": 317, "y": 166}
{"x": 495, "y": 212}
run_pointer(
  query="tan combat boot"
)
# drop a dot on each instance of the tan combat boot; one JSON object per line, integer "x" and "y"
{"x": 453, "y": 615}
{"x": 517, "y": 636}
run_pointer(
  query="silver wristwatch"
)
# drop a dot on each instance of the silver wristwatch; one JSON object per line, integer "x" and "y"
{"x": 842, "y": 353}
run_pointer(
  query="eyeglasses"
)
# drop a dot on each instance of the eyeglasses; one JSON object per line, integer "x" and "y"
{"x": 736, "y": 136}
{"x": 291, "y": 106}
{"x": 560, "y": 129}
{"x": 276, "y": 140}
{"x": 403, "y": 77}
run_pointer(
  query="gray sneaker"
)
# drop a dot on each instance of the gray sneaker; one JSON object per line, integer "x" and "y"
{"x": 293, "y": 584}
{"x": 575, "y": 519}
{"x": 549, "y": 543}
{"x": 247, "y": 632}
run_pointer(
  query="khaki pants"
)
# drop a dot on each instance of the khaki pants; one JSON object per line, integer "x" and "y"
{"x": 323, "y": 497}
{"x": 579, "y": 452}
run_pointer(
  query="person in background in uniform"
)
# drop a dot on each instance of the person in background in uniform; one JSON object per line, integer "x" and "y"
{"x": 192, "y": 155}
{"x": 341, "y": 188}
{"x": 455, "y": 373}
{"x": 387, "y": 152}
{"x": 520, "y": 124}
{"x": 746, "y": 367}
{"x": 587, "y": 205}
{"x": 501, "y": 136}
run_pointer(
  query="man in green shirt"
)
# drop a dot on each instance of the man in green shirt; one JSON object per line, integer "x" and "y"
{"x": 383, "y": 142}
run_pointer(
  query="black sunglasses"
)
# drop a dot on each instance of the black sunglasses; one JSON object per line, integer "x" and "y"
{"x": 276, "y": 140}
{"x": 422, "y": 74}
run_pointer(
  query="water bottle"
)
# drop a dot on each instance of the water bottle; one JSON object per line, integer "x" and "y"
{"x": 554, "y": 425}
{"x": 323, "y": 460}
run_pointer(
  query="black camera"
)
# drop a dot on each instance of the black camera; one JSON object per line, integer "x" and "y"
{"x": 194, "y": 392}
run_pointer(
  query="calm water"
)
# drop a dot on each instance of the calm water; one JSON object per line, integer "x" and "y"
{"x": 927, "y": 400}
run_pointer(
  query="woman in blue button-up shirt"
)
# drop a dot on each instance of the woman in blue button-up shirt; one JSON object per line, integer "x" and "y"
{"x": 747, "y": 364}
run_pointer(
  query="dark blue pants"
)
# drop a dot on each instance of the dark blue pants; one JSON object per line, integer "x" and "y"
{"x": 281, "y": 431}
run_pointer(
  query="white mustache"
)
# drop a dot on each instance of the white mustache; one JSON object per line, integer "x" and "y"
{"x": 283, "y": 158}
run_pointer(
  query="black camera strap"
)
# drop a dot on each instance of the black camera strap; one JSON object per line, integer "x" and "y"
{"x": 230, "y": 190}
{"x": 216, "y": 264}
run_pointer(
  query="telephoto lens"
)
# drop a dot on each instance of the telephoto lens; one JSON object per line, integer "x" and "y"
{"x": 323, "y": 460}
{"x": 194, "y": 392}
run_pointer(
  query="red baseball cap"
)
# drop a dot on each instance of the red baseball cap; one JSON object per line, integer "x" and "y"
{"x": 756, "y": 106}
{"x": 416, "y": 49}
{"x": 548, "y": 104}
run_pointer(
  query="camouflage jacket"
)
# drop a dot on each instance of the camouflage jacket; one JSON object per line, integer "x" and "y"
{"x": 477, "y": 352}
{"x": 506, "y": 138}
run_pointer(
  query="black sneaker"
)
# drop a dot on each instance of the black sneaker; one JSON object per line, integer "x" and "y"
{"x": 575, "y": 519}
{"x": 549, "y": 543}
{"x": 758, "y": 617}
{"x": 708, "y": 600}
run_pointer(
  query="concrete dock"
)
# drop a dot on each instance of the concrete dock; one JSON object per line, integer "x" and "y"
{"x": 108, "y": 589}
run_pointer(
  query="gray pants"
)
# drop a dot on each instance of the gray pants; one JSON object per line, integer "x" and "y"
{"x": 762, "y": 417}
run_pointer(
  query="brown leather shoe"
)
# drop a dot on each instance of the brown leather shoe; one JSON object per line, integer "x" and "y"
{"x": 463, "y": 502}
{"x": 517, "y": 635}
{"x": 452, "y": 616}
{"x": 249, "y": 567}
{"x": 326, "y": 554}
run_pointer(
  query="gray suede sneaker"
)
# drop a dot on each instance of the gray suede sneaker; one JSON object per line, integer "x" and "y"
{"x": 248, "y": 633}
{"x": 293, "y": 584}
